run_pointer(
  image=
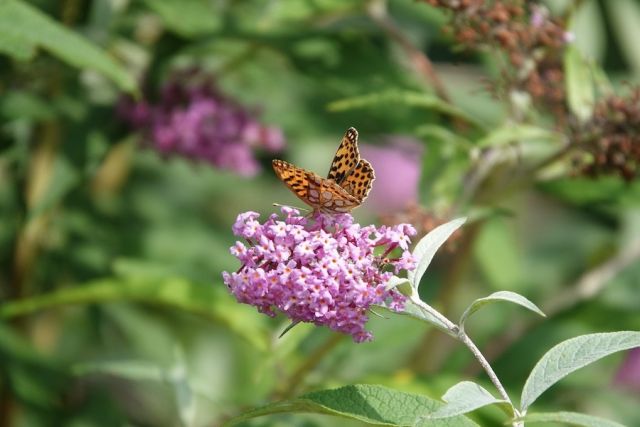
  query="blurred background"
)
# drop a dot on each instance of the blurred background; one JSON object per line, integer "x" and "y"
{"x": 133, "y": 132}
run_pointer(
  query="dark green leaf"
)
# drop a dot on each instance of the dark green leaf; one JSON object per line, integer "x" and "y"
{"x": 22, "y": 26}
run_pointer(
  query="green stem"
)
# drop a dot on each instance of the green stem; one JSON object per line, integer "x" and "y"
{"x": 453, "y": 330}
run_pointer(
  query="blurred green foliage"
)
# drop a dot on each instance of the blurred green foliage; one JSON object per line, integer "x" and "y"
{"x": 113, "y": 310}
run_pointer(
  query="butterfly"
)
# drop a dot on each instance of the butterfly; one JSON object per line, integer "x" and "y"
{"x": 345, "y": 187}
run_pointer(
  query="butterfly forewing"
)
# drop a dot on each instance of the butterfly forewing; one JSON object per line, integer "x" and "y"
{"x": 294, "y": 177}
{"x": 358, "y": 182}
{"x": 346, "y": 158}
{"x": 346, "y": 186}
{"x": 319, "y": 193}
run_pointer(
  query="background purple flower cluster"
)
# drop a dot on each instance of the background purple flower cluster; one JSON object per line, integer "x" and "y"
{"x": 322, "y": 270}
{"x": 194, "y": 119}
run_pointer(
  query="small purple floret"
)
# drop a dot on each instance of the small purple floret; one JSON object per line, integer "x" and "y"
{"x": 326, "y": 270}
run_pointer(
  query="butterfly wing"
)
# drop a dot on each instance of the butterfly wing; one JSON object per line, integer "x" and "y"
{"x": 358, "y": 182}
{"x": 294, "y": 177}
{"x": 319, "y": 193}
{"x": 329, "y": 197}
{"x": 346, "y": 158}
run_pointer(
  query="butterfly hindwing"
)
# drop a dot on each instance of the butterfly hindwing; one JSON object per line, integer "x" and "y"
{"x": 327, "y": 196}
{"x": 346, "y": 158}
{"x": 358, "y": 182}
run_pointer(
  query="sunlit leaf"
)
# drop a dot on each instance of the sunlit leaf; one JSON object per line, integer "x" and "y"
{"x": 571, "y": 355}
{"x": 588, "y": 26}
{"x": 580, "y": 85}
{"x": 518, "y": 133}
{"x": 137, "y": 370}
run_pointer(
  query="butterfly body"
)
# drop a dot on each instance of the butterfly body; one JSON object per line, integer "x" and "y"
{"x": 346, "y": 186}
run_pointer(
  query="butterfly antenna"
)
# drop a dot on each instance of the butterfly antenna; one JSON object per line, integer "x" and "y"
{"x": 289, "y": 206}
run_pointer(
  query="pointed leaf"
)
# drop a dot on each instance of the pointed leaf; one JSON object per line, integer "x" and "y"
{"x": 369, "y": 403}
{"x": 517, "y": 133}
{"x": 136, "y": 370}
{"x": 499, "y": 296}
{"x": 467, "y": 396}
{"x": 427, "y": 247}
{"x": 580, "y": 85}
{"x": 570, "y": 418}
{"x": 189, "y": 18}
{"x": 395, "y": 281}
{"x": 24, "y": 27}
{"x": 412, "y": 309}
{"x": 571, "y": 355}
{"x": 407, "y": 98}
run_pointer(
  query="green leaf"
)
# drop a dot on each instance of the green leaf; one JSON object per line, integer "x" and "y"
{"x": 414, "y": 310}
{"x": 495, "y": 297}
{"x": 368, "y": 403}
{"x": 580, "y": 85}
{"x": 23, "y": 28}
{"x": 518, "y": 133}
{"x": 571, "y": 355}
{"x": 189, "y": 18}
{"x": 467, "y": 396}
{"x": 427, "y": 247}
{"x": 16, "y": 46}
{"x": 590, "y": 35}
{"x": 207, "y": 300}
{"x": 395, "y": 282}
{"x": 407, "y": 98}
{"x": 570, "y": 418}
{"x": 625, "y": 15}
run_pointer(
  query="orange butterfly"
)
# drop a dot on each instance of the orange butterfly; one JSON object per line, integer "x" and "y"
{"x": 345, "y": 187}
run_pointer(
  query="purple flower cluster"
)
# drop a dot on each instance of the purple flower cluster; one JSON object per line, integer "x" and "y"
{"x": 326, "y": 270}
{"x": 194, "y": 119}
